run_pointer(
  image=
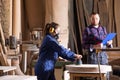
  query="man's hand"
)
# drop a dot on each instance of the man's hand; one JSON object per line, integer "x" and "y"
{"x": 109, "y": 42}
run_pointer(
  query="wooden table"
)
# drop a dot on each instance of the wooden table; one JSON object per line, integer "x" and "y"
{"x": 6, "y": 69}
{"x": 88, "y": 70}
{"x": 18, "y": 77}
{"x": 25, "y": 49}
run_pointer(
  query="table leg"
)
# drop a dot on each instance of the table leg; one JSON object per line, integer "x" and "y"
{"x": 104, "y": 77}
{"x": 71, "y": 77}
{"x": 24, "y": 64}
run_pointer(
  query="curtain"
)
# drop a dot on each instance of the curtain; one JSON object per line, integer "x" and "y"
{"x": 78, "y": 20}
{"x": 24, "y": 21}
{"x": 117, "y": 21}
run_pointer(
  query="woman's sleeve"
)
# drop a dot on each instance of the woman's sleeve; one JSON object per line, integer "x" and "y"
{"x": 63, "y": 52}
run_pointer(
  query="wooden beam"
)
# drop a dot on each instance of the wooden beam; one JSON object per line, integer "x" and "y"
{"x": 3, "y": 58}
{"x": 2, "y": 40}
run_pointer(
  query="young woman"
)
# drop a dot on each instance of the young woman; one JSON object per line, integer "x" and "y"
{"x": 50, "y": 50}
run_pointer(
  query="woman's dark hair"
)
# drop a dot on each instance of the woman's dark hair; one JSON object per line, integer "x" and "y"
{"x": 50, "y": 25}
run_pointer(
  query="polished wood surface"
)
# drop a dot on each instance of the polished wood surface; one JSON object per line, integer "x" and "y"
{"x": 88, "y": 70}
{"x": 5, "y": 69}
{"x": 16, "y": 77}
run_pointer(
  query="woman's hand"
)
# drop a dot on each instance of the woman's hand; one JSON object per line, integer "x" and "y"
{"x": 78, "y": 56}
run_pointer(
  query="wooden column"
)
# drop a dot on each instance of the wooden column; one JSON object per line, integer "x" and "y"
{"x": 10, "y": 28}
{"x": 16, "y": 18}
{"x": 60, "y": 15}
{"x": 48, "y": 11}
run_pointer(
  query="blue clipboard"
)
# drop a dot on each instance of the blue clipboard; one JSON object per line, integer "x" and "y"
{"x": 110, "y": 36}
